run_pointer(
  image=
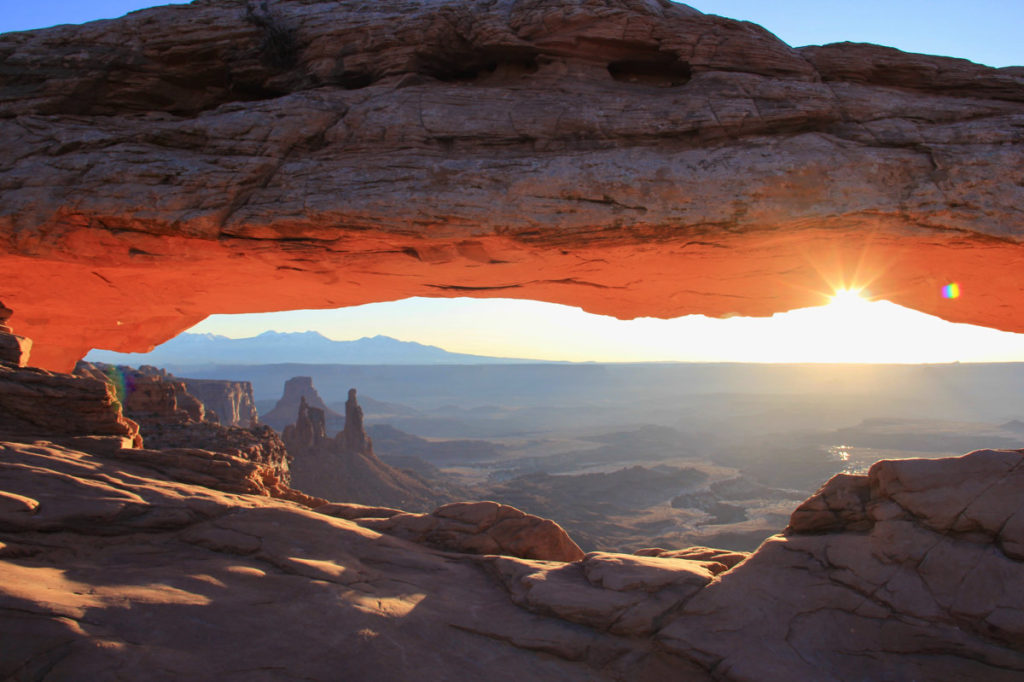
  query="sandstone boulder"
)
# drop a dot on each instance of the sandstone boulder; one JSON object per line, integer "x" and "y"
{"x": 840, "y": 505}
{"x": 482, "y": 528}
{"x": 14, "y": 349}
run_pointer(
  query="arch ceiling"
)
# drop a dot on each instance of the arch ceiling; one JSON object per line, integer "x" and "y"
{"x": 632, "y": 157}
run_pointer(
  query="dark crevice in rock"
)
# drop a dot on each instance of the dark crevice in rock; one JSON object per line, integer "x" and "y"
{"x": 661, "y": 70}
{"x": 468, "y": 64}
{"x": 279, "y": 48}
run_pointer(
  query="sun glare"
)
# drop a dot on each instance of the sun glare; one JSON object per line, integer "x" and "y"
{"x": 848, "y": 297}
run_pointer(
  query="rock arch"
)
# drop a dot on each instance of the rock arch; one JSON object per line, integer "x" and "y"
{"x": 632, "y": 157}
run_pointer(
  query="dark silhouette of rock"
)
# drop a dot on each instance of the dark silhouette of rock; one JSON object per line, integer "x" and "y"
{"x": 353, "y": 437}
{"x": 308, "y": 431}
{"x": 14, "y": 349}
{"x": 345, "y": 468}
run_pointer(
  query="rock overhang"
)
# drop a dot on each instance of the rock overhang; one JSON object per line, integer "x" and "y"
{"x": 631, "y": 157}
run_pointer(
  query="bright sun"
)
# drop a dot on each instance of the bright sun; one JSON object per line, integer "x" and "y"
{"x": 848, "y": 297}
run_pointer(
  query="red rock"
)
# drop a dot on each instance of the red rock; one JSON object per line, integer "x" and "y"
{"x": 428, "y": 149}
{"x": 170, "y": 417}
{"x": 840, "y": 505}
{"x": 36, "y": 404}
{"x": 482, "y": 528}
{"x": 936, "y": 570}
{"x": 204, "y": 571}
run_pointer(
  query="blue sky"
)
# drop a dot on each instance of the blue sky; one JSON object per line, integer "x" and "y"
{"x": 985, "y": 31}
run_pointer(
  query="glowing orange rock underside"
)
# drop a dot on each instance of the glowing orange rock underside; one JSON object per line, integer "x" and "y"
{"x": 113, "y": 299}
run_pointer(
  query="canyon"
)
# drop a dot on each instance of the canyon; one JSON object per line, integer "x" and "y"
{"x": 632, "y": 157}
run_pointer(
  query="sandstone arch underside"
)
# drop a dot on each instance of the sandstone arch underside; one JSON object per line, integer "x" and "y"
{"x": 632, "y": 157}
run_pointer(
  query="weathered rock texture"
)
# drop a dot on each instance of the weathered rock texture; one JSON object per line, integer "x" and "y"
{"x": 231, "y": 401}
{"x": 80, "y": 411}
{"x": 169, "y": 416}
{"x": 910, "y": 572}
{"x": 212, "y": 158}
{"x": 480, "y": 528}
{"x": 345, "y": 468}
{"x": 111, "y": 568}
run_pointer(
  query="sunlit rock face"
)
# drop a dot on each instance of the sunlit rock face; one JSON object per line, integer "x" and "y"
{"x": 633, "y": 157}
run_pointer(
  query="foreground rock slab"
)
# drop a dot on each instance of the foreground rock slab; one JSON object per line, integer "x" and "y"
{"x": 109, "y": 566}
{"x": 911, "y": 572}
{"x": 109, "y": 569}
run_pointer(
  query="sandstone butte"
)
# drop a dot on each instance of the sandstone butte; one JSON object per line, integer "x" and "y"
{"x": 632, "y": 157}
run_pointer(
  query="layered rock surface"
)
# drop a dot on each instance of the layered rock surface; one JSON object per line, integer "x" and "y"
{"x": 910, "y": 572}
{"x": 170, "y": 416}
{"x": 231, "y": 401}
{"x": 220, "y": 157}
{"x": 34, "y": 403}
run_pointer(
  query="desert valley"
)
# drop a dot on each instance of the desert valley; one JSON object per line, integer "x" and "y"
{"x": 284, "y": 506}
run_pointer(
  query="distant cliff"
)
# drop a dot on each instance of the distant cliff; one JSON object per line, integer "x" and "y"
{"x": 296, "y": 390}
{"x": 232, "y": 401}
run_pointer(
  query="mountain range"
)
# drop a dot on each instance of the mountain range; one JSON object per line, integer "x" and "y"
{"x": 281, "y": 347}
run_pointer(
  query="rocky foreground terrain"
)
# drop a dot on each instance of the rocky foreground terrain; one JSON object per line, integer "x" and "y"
{"x": 119, "y": 562}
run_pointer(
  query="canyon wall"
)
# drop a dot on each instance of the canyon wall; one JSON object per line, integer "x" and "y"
{"x": 632, "y": 157}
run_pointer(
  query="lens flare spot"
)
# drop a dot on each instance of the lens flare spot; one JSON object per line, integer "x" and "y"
{"x": 951, "y": 291}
